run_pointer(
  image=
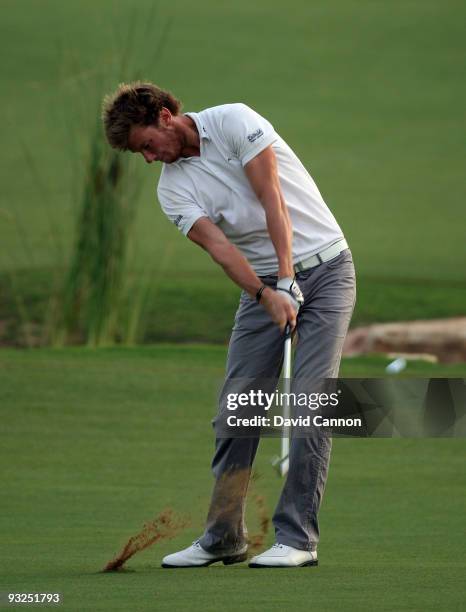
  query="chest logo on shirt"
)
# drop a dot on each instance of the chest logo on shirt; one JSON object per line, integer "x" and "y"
{"x": 255, "y": 135}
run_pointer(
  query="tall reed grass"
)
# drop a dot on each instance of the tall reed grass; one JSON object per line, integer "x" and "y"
{"x": 88, "y": 308}
{"x": 96, "y": 298}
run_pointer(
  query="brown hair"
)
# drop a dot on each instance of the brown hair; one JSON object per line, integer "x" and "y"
{"x": 131, "y": 104}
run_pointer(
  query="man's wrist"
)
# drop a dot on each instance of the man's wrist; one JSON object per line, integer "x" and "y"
{"x": 259, "y": 295}
{"x": 260, "y": 292}
{"x": 285, "y": 271}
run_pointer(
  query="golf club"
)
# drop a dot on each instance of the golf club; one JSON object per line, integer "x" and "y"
{"x": 281, "y": 463}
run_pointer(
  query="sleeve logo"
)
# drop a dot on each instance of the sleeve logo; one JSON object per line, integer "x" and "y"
{"x": 177, "y": 220}
{"x": 255, "y": 135}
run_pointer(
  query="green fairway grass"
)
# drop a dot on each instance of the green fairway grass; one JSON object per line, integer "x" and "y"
{"x": 95, "y": 443}
{"x": 371, "y": 96}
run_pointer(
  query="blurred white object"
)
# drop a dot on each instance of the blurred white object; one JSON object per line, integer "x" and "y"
{"x": 396, "y": 366}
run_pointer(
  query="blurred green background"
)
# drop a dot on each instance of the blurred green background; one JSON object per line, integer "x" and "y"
{"x": 371, "y": 95}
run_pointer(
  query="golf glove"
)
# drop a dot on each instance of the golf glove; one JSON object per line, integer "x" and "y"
{"x": 291, "y": 289}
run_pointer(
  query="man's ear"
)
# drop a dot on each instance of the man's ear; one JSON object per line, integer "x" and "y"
{"x": 165, "y": 116}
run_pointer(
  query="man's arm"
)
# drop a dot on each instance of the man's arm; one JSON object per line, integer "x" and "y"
{"x": 211, "y": 238}
{"x": 263, "y": 177}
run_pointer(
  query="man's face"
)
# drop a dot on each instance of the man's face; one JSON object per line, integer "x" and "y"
{"x": 156, "y": 142}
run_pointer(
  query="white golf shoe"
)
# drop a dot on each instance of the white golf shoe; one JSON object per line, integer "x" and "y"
{"x": 196, "y": 556}
{"x": 281, "y": 555}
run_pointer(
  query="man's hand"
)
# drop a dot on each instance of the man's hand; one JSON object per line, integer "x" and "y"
{"x": 291, "y": 290}
{"x": 279, "y": 307}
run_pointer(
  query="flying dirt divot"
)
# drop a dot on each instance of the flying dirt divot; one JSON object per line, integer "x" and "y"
{"x": 227, "y": 507}
{"x": 257, "y": 540}
{"x": 164, "y": 527}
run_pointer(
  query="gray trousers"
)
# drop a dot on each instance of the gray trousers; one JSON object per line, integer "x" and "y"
{"x": 256, "y": 350}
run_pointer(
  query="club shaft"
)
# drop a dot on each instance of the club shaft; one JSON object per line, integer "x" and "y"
{"x": 285, "y": 446}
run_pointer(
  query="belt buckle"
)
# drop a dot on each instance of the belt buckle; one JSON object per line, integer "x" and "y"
{"x": 299, "y": 267}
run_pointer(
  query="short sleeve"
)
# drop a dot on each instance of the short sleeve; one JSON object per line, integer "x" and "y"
{"x": 246, "y": 132}
{"x": 180, "y": 209}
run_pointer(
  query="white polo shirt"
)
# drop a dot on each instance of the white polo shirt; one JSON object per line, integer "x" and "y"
{"x": 215, "y": 185}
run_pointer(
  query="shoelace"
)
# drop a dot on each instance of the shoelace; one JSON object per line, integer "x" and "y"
{"x": 277, "y": 546}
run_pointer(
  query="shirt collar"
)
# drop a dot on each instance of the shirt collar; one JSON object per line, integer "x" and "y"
{"x": 201, "y": 128}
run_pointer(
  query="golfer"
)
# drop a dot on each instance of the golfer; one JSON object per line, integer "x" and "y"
{"x": 234, "y": 187}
